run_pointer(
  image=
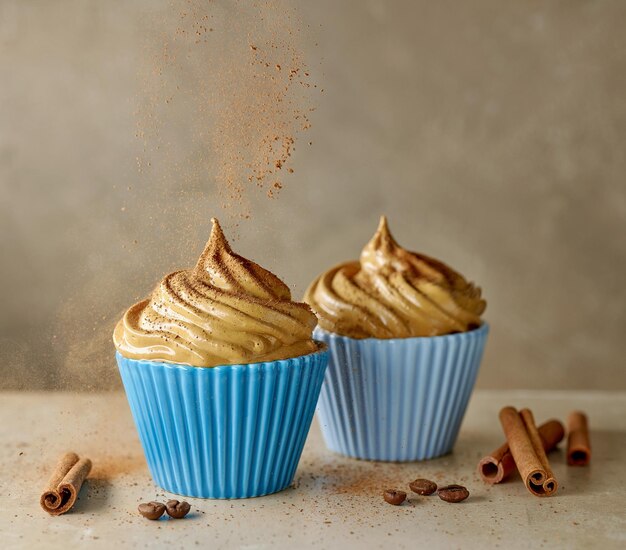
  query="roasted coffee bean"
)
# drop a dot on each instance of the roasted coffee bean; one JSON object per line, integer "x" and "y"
{"x": 151, "y": 510}
{"x": 394, "y": 497}
{"x": 176, "y": 509}
{"x": 423, "y": 486}
{"x": 453, "y": 493}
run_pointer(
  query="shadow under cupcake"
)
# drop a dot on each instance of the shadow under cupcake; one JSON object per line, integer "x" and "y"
{"x": 222, "y": 377}
{"x": 405, "y": 337}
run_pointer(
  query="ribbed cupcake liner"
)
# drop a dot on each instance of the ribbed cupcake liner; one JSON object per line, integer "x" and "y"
{"x": 400, "y": 399}
{"x": 232, "y": 431}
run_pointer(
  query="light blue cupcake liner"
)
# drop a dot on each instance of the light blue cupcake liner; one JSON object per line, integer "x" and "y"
{"x": 232, "y": 431}
{"x": 400, "y": 399}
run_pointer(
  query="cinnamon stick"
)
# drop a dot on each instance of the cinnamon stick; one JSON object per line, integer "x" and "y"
{"x": 64, "y": 484}
{"x": 578, "y": 444}
{"x": 523, "y": 439}
{"x": 499, "y": 464}
{"x": 550, "y": 484}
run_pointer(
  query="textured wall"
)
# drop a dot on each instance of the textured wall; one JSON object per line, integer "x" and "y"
{"x": 493, "y": 135}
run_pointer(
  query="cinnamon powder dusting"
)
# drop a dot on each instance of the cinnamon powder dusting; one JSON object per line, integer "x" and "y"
{"x": 226, "y": 94}
{"x": 216, "y": 128}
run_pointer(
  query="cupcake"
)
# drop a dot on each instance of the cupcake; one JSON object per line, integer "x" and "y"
{"x": 222, "y": 376}
{"x": 406, "y": 339}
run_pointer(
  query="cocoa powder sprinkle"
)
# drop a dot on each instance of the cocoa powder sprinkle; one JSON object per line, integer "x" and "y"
{"x": 246, "y": 89}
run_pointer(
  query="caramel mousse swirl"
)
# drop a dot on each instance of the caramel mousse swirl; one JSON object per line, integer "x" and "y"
{"x": 226, "y": 310}
{"x": 394, "y": 293}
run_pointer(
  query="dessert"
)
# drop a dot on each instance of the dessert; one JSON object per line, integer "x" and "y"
{"x": 222, "y": 376}
{"x": 393, "y": 293}
{"x": 406, "y": 340}
{"x": 225, "y": 311}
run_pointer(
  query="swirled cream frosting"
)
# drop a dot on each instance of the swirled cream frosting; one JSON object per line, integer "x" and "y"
{"x": 393, "y": 293}
{"x": 226, "y": 310}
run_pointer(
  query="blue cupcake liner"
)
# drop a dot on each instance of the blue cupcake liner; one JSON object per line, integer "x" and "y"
{"x": 233, "y": 431}
{"x": 400, "y": 399}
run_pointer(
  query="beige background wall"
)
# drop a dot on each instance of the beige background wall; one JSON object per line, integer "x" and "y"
{"x": 493, "y": 134}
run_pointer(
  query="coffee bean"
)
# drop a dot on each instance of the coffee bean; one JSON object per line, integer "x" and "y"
{"x": 394, "y": 497}
{"x": 453, "y": 493}
{"x": 151, "y": 510}
{"x": 176, "y": 509}
{"x": 423, "y": 486}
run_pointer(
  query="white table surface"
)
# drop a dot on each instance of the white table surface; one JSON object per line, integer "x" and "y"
{"x": 335, "y": 502}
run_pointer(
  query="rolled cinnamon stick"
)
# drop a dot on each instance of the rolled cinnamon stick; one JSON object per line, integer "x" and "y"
{"x": 550, "y": 484}
{"x": 578, "y": 444}
{"x": 64, "y": 484}
{"x": 499, "y": 464}
{"x": 529, "y": 465}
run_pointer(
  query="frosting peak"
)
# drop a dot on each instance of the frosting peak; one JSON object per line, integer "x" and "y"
{"x": 224, "y": 269}
{"x": 383, "y": 253}
{"x": 394, "y": 293}
{"x": 226, "y": 310}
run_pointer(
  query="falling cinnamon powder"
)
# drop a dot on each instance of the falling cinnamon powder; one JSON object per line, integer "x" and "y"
{"x": 216, "y": 127}
{"x": 228, "y": 79}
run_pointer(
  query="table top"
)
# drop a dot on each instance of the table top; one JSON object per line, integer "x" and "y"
{"x": 334, "y": 502}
